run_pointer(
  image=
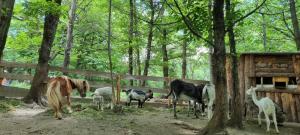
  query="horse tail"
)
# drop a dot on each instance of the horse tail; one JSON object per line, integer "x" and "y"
{"x": 54, "y": 95}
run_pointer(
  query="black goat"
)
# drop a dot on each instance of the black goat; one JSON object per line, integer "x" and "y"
{"x": 139, "y": 96}
{"x": 179, "y": 87}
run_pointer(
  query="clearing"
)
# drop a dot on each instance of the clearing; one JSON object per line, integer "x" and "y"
{"x": 33, "y": 120}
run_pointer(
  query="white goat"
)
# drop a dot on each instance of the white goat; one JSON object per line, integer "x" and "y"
{"x": 209, "y": 92}
{"x": 209, "y": 89}
{"x": 102, "y": 97}
{"x": 265, "y": 105}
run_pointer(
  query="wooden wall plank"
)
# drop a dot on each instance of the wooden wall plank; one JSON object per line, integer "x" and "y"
{"x": 242, "y": 80}
{"x": 286, "y": 105}
{"x": 297, "y": 101}
{"x": 293, "y": 107}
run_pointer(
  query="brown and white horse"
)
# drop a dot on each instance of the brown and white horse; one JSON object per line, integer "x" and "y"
{"x": 59, "y": 92}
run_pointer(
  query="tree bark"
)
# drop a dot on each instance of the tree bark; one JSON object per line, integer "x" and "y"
{"x": 210, "y": 39}
{"x": 264, "y": 27}
{"x": 236, "y": 115}
{"x": 295, "y": 23}
{"x": 218, "y": 121}
{"x": 165, "y": 56}
{"x": 109, "y": 51}
{"x": 137, "y": 41}
{"x": 130, "y": 49}
{"x": 184, "y": 63}
{"x": 6, "y": 11}
{"x": 69, "y": 45}
{"x": 149, "y": 43}
{"x": 39, "y": 82}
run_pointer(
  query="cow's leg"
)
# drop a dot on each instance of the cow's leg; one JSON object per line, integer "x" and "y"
{"x": 195, "y": 110}
{"x": 174, "y": 104}
{"x": 69, "y": 104}
{"x": 139, "y": 104}
{"x": 189, "y": 108}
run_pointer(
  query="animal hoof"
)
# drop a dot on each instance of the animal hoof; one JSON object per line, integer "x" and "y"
{"x": 59, "y": 118}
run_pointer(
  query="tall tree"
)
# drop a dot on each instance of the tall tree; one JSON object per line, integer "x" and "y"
{"x": 130, "y": 49}
{"x": 149, "y": 42}
{"x": 218, "y": 121}
{"x": 237, "y": 117}
{"x": 264, "y": 29}
{"x": 184, "y": 63}
{"x": 295, "y": 23}
{"x": 38, "y": 85}
{"x": 109, "y": 50}
{"x": 69, "y": 45}
{"x": 6, "y": 11}
{"x": 165, "y": 56}
{"x": 137, "y": 41}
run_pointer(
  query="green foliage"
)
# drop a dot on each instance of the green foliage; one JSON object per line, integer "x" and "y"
{"x": 9, "y": 104}
{"x": 90, "y": 34}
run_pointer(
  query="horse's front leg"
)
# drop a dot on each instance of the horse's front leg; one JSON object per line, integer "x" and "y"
{"x": 69, "y": 104}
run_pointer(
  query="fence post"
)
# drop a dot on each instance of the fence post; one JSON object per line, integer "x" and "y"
{"x": 118, "y": 89}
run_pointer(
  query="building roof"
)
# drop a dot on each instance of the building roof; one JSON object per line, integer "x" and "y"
{"x": 270, "y": 53}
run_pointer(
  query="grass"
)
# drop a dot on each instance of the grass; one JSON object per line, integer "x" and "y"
{"x": 7, "y": 105}
{"x": 20, "y": 84}
{"x": 89, "y": 111}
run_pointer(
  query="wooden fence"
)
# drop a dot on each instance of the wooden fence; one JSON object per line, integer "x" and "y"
{"x": 288, "y": 100}
{"x": 9, "y": 91}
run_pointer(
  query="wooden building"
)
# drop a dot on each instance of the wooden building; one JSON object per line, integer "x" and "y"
{"x": 277, "y": 75}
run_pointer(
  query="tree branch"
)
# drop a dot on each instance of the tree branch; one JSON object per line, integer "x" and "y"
{"x": 189, "y": 25}
{"x": 282, "y": 31}
{"x": 250, "y": 13}
{"x": 286, "y": 25}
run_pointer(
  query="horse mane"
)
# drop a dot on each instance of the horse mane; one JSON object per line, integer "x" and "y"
{"x": 80, "y": 84}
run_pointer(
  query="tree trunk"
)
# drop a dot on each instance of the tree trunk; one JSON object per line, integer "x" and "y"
{"x": 6, "y": 11}
{"x": 236, "y": 115}
{"x": 69, "y": 45}
{"x": 130, "y": 49}
{"x": 39, "y": 82}
{"x": 295, "y": 24}
{"x": 109, "y": 51}
{"x": 149, "y": 44}
{"x": 165, "y": 57}
{"x": 218, "y": 121}
{"x": 210, "y": 38}
{"x": 136, "y": 31}
{"x": 183, "y": 66}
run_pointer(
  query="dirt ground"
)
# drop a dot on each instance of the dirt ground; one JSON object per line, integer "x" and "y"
{"x": 29, "y": 120}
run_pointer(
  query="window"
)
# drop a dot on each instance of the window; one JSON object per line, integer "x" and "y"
{"x": 267, "y": 80}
